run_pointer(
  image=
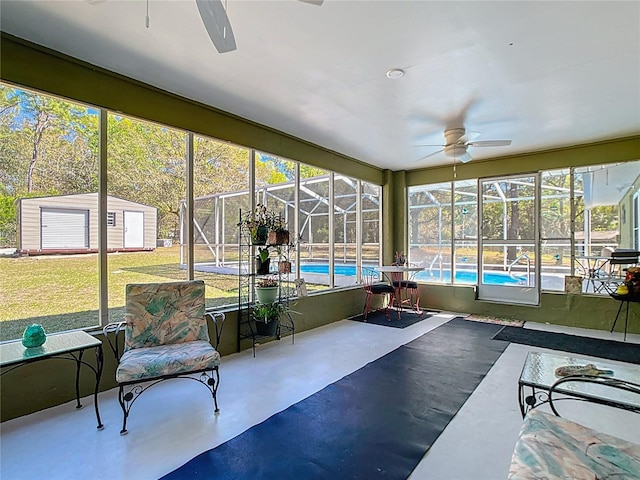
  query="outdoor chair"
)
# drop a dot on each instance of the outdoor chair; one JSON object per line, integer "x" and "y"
{"x": 165, "y": 336}
{"x": 373, "y": 285}
{"x": 406, "y": 290}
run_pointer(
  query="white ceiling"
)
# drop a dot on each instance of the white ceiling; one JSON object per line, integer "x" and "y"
{"x": 543, "y": 74}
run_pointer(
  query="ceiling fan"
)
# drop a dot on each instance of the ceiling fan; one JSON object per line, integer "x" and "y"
{"x": 458, "y": 141}
{"x": 216, "y": 22}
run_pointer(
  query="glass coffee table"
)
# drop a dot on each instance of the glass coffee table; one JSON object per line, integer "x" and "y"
{"x": 67, "y": 346}
{"x": 538, "y": 382}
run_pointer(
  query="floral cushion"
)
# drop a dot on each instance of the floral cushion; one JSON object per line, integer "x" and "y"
{"x": 164, "y": 313}
{"x": 552, "y": 447}
{"x": 152, "y": 362}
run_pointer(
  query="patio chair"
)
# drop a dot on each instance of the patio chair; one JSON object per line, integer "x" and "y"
{"x": 373, "y": 285}
{"x": 406, "y": 290}
{"x": 614, "y": 273}
{"x": 165, "y": 336}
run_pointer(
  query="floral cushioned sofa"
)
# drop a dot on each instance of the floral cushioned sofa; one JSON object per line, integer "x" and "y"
{"x": 552, "y": 447}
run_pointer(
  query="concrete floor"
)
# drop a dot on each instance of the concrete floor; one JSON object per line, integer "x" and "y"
{"x": 174, "y": 421}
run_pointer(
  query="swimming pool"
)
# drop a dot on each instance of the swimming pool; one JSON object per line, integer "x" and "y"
{"x": 471, "y": 277}
{"x": 462, "y": 276}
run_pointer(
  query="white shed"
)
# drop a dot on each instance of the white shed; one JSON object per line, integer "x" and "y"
{"x": 69, "y": 224}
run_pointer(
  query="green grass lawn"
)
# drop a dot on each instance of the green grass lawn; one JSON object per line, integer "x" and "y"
{"x": 61, "y": 292}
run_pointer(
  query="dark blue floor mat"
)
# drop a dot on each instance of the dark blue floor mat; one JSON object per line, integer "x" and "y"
{"x": 594, "y": 347}
{"x": 377, "y": 422}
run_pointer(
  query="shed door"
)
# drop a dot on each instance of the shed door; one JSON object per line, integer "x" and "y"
{"x": 64, "y": 228}
{"x": 133, "y": 229}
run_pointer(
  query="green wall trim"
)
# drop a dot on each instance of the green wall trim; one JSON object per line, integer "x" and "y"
{"x": 610, "y": 151}
{"x": 37, "y": 67}
{"x": 400, "y": 221}
{"x": 388, "y": 215}
{"x": 582, "y": 311}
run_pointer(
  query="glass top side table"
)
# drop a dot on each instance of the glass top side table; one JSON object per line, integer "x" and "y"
{"x": 538, "y": 374}
{"x": 68, "y": 346}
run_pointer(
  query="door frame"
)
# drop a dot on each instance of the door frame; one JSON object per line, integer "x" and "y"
{"x": 525, "y": 295}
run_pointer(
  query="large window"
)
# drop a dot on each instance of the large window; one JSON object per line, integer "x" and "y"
{"x": 605, "y": 210}
{"x": 48, "y": 210}
{"x": 430, "y": 230}
{"x": 54, "y": 236}
{"x": 218, "y": 200}
{"x": 371, "y": 204}
{"x": 146, "y": 180}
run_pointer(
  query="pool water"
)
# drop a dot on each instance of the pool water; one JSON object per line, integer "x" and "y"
{"x": 323, "y": 269}
{"x": 471, "y": 277}
{"x": 462, "y": 276}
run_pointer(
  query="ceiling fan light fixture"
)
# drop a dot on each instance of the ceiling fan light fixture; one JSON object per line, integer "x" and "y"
{"x": 453, "y": 135}
{"x": 395, "y": 73}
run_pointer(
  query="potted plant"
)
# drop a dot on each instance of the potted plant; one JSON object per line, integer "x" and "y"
{"x": 267, "y": 290}
{"x": 266, "y": 316}
{"x": 279, "y": 235}
{"x": 258, "y": 223}
{"x": 284, "y": 265}
{"x": 262, "y": 261}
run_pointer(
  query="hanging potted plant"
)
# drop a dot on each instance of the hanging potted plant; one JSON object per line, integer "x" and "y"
{"x": 267, "y": 290}
{"x": 266, "y": 316}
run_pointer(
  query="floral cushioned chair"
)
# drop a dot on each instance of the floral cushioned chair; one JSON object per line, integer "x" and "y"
{"x": 165, "y": 336}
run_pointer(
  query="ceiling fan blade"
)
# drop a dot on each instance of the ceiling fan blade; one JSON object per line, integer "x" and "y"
{"x": 217, "y": 24}
{"x": 431, "y": 154}
{"x": 431, "y": 145}
{"x": 313, "y": 2}
{"x": 465, "y": 157}
{"x": 490, "y": 143}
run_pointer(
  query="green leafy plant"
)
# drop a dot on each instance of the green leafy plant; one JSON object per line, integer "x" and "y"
{"x": 263, "y": 254}
{"x": 259, "y": 217}
{"x": 267, "y": 312}
{"x": 279, "y": 225}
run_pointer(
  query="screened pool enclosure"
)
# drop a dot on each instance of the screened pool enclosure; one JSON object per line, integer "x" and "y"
{"x": 323, "y": 214}
{"x": 534, "y": 227}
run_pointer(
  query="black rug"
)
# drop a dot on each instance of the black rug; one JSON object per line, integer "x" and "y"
{"x": 377, "y": 422}
{"x": 593, "y": 347}
{"x": 406, "y": 318}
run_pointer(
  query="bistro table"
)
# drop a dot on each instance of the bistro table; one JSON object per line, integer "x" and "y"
{"x": 397, "y": 274}
{"x": 66, "y": 346}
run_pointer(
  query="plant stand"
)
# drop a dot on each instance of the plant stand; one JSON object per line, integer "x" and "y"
{"x": 249, "y": 272}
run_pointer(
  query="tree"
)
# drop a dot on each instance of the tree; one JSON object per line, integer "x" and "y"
{"x": 44, "y": 121}
{"x": 48, "y": 147}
